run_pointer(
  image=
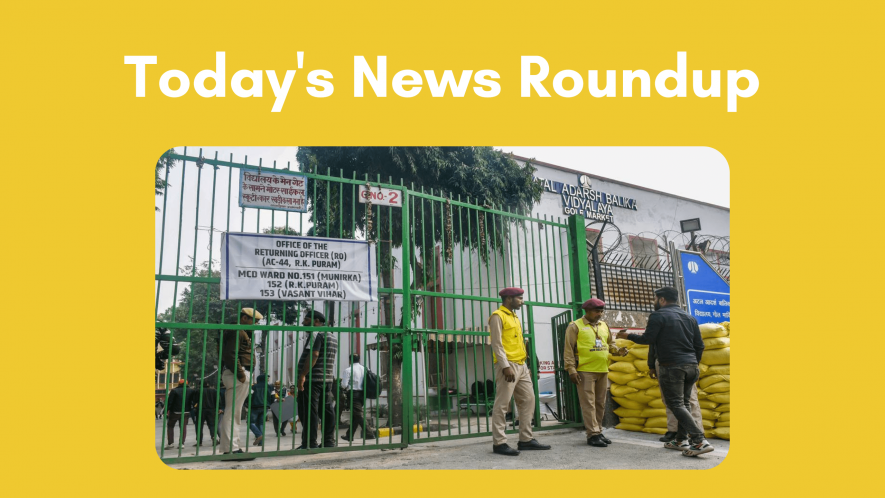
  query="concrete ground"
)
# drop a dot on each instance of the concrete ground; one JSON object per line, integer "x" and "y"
{"x": 630, "y": 450}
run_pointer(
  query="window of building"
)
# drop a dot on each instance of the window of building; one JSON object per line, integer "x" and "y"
{"x": 592, "y": 237}
{"x": 645, "y": 252}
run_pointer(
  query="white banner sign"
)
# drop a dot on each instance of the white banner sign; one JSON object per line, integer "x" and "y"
{"x": 382, "y": 196}
{"x": 289, "y": 268}
{"x": 283, "y": 191}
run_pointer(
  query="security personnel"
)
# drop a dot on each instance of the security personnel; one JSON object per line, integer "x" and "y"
{"x": 590, "y": 341}
{"x": 512, "y": 375}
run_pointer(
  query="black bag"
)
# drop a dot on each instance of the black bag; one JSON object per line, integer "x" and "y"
{"x": 370, "y": 385}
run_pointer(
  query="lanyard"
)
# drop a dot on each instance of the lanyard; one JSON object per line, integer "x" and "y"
{"x": 595, "y": 331}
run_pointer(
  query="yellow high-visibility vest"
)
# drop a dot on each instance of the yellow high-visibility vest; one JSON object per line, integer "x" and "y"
{"x": 592, "y": 358}
{"x": 511, "y": 336}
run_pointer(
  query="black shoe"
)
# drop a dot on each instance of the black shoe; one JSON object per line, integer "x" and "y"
{"x": 238, "y": 452}
{"x": 348, "y": 439}
{"x": 283, "y": 433}
{"x": 531, "y": 445}
{"x": 370, "y": 436}
{"x": 605, "y": 439}
{"x": 503, "y": 449}
{"x": 669, "y": 436}
{"x": 312, "y": 446}
{"x": 596, "y": 441}
{"x": 330, "y": 444}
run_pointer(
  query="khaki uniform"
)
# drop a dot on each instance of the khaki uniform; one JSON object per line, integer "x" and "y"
{"x": 594, "y": 384}
{"x": 508, "y": 350}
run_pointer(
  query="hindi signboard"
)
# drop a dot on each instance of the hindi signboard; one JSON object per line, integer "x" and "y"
{"x": 290, "y": 268}
{"x": 707, "y": 294}
{"x": 282, "y": 191}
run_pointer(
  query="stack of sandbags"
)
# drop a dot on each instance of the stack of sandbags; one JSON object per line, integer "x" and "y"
{"x": 637, "y": 394}
{"x": 714, "y": 384}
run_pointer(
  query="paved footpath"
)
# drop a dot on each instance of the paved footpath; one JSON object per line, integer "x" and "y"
{"x": 631, "y": 450}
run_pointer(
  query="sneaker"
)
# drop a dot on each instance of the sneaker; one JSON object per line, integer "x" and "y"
{"x": 197, "y": 444}
{"x": 258, "y": 440}
{"x": 698, "y": 449}
{"x": 669, "y": 436}
{"x": 605, "y": 439}
{"x": 504, "y": 449}
{"x": 596, "y": 441}
{"x": 531, "y": 445}
{"x": 676, "y": 445}
{"x": 169, "y": 447}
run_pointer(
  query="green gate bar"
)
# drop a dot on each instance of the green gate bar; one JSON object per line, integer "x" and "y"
{"x": 441, "y": 331}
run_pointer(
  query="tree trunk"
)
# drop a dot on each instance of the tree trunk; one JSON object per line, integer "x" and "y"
{"x": 395, "y": 385}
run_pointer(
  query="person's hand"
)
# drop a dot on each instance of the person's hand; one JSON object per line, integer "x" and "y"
{"x": 301, "y": 380}
{"x": 241, "y": 375}
{"x": 622, "y": 334}
{"x": 509, "y": 376}
{"x": 623, "y": 352}
{"x": 652, "y": 373}
{"x": 576, "y": 379}
{"x": 220, "y": 412}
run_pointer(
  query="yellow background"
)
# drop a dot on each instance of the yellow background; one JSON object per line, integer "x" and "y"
{"x": 805, "y": 179}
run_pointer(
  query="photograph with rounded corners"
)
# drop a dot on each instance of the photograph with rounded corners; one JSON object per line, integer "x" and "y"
{"x": 464, "y": 307}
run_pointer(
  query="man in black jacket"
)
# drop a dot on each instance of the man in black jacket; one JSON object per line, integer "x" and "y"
{"x": 180, "y": 402}
{"x": 208, "y": 408}
{"x": 678, "y": 345}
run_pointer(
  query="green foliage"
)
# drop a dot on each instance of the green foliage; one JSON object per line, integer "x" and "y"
{"x": 479, "y": 175}
{"x": 165, "y": 162}
{"x": 201, "y": 303}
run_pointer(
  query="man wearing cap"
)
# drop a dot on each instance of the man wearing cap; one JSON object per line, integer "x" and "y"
{"x": 513, "y": 377}
{"x": 180, "y": 400}
{"x": 236, "y": 359}
{"x": 588, "y": 341}
{"x": 316, "y": 368}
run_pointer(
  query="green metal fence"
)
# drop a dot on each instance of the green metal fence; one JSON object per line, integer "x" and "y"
{"x": 441, "y": 260}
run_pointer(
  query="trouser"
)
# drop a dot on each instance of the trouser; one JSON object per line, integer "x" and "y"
{"x": 277, "y": 427}
{"x": 309, "y": 400}
{"x": 181, "y": 418}
{"x": 591, "y": 394}
{"x": 236, "y": 392}
{"x": 676, "y": 384}
{"x": 207, "y": 418}
{"x": 355, "y": 403}
{"x": 694, "y": 406}
{"x": 257, "y": 420}
{"x": 524, "y": 392}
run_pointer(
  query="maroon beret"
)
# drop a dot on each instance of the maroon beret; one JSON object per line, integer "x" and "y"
{"x": 511, "y": 291}
{"x": 593, "y": 304}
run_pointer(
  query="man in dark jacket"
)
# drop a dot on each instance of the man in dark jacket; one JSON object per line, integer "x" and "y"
{"x": 180, "y": 402}
{"x": 208, "y": 408}
{"x": 678, "y": 345}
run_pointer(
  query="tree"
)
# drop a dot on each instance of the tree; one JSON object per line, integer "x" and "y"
{"x": 480, "y": 175}
{"x": 164, "y": 162}
{"x": 201, "y": 303}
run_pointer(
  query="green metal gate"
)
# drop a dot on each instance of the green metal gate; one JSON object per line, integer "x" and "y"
{"x": 441, "y": 263}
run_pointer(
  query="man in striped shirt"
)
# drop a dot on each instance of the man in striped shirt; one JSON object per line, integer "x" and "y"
{"x": 316, "y": 369}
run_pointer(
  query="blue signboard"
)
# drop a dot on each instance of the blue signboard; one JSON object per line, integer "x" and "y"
{"x": 707, "y": 294}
